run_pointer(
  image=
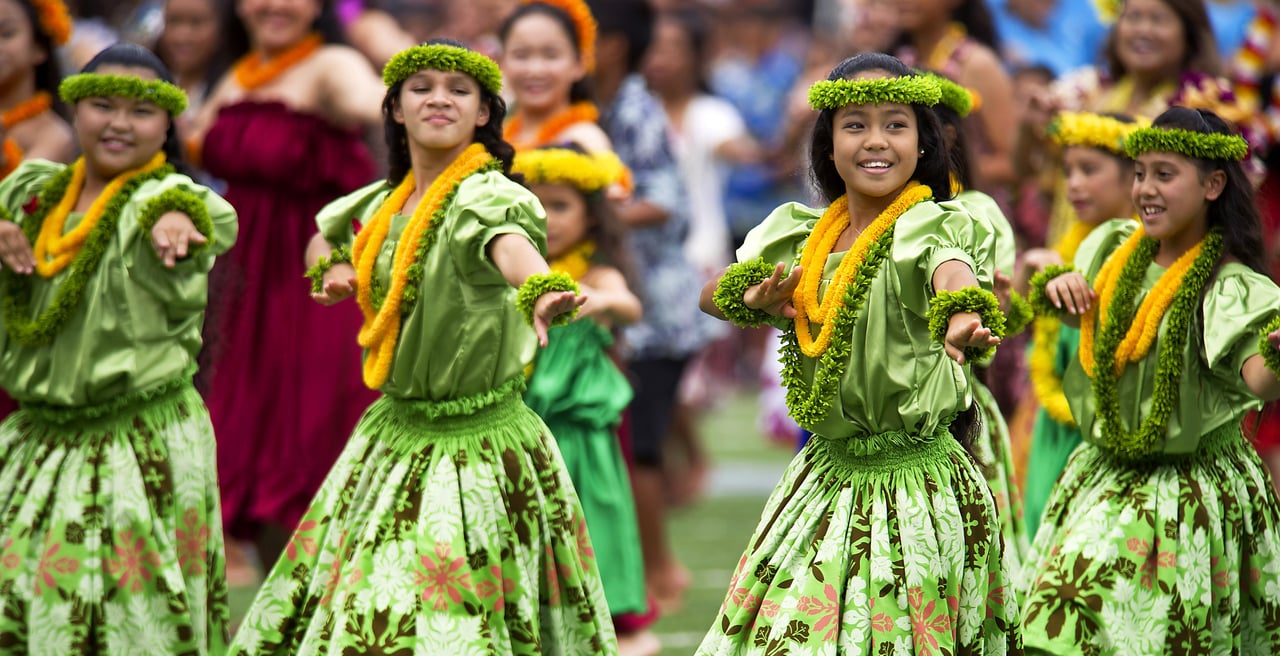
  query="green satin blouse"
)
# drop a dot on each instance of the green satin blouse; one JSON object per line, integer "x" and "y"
{"x": 1237, "y": 303}
{"x": 139, "y": 323}
{"x": 464, "y": 335}
{"x": 897, "y": 378}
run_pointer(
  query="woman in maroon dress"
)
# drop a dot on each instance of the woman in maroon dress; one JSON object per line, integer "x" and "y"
{"x": 282, "y": 129}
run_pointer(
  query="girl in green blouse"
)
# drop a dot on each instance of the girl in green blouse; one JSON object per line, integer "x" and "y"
{"x": 110, "y": 530}
{"x": 882, "y": 535}
{"x": 449, "y": 524}
{"x": 1162, "y": 535}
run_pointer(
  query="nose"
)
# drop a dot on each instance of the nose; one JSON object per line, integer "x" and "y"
{"x": 875, "y": 139}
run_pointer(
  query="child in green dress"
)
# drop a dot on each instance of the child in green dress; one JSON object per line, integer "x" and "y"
{"x": 882, "y": 534}
{"x": 449, "y": 524}
{"x": 110, "y": 529}
{"x": 1163, "y": 533}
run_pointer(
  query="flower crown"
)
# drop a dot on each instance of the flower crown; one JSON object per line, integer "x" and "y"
{"x": 1092, "y": 130}
{"x": 959, "y": 99}
{"x": 443, "y": 57}
{"x": 586, "y": 172}
{"x": 86, "y": 85}
{"x": 1196, "y": 145}
{"x": 1108, "y": 10}
{"x": 585, "y": 24}
{"x": 906, "y": 90}
{"x": 53, "y": 19}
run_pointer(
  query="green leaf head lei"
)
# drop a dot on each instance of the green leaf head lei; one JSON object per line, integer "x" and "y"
{"x": 955, "y": 97}
{"x": 1196, "y": 145}
{"x": 906, "y": 90}
{"x": 90, "y": 85}
{"x": 443, "y": 57}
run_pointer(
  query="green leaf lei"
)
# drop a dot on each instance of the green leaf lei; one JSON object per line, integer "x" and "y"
{"x": 733, "y": 284}
{"x": 541, "y": 283}
{"x": 1020, "y": 314}
{"x": 378, "y": 289}
{"x": 810, "y": 404}
{"x": 1270, "y": 356}
{"x": 168, "y": 96}
{"x": 443, "y": 57}
{"x": 1196, "y": 145}
{"x": 1039, "y": 301}
{"x": 16, "y": 290}
{"x": 340, "y": 255}
{"x": 178, "y": 200}
{"x": 970, "y": 299}
{"x": 1146, "y": 440}
{"x": 907, "y": 90}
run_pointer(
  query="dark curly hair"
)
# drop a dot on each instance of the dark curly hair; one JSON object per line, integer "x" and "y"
{"x": 1234, "y": 210}
{"x": 932, "y": 169}
{"x": 129, "y": 54}
{"x": 582, "y": 90}
{"x": 397, "y": 138}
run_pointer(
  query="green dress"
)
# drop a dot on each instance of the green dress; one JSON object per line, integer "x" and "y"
{"x": 581, "y": 394}
{"x": 882, "y": 536}
{"x": 1051, "y": 440}
{"x": 449, "y": 524}
{"x": 1179, "y": 553}
{"x": 992, "y": 448}
{"x": 110, "y": 528}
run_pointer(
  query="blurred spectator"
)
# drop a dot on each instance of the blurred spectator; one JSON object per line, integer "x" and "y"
{"x": 192, "y": 46}
{"x": 1230, "y": 20}
{"x": 1060, "y": 35}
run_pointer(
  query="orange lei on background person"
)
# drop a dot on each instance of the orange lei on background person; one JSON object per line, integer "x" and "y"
{"x": 381, "y": 326}
{"x": 580, "y": 112}
{"x": 1146, "y": 321}
{"x": 29, "y": 108}
{"x": 54, "y": 250}
{"x": 819, "y": 246}
{"x": 252, "y": 72}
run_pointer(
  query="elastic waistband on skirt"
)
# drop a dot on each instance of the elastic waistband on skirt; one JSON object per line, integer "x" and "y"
{"x": 503, "y": 403}
{"x": 123, "y": 406}
{"x": 886, "y": 451}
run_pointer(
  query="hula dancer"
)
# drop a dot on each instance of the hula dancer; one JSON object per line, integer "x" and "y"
{"x": 1163, "y": 533}
{"x": 882, "y": 534}
{"x": 449, "y": 524}
{"x": 110, "y": 530}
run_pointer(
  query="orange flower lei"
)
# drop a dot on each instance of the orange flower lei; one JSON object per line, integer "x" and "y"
{"x": 1146, "y": 322}
{"x": 252, "y": 72}
{"x": 381, "y": 326}
{"x": 26, "y": 109}
{"x": 54, "y": 19}
{"x": 580, "y": 14}
{"x": 54, "y": 250}
{"x": 581, "y": 112}
{"x": 819, "y": 246}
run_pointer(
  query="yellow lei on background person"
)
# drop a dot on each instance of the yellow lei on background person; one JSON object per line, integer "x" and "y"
{"x": 1045, "y": 381}
{"x": 1146, "y": 321}
{"x": 53, "y": 250}
{"x": 576, "y": 262}
{"x": 819, "y": 246}
{"x": 381, "y": 326}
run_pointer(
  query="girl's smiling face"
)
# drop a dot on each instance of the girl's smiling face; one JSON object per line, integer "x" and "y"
{"x": 1172, "y": 196}
{"x": 540, "y": 63}
{"x": 567, "y": 217}
{"x": 1099, "y": 188}
{"x": 440, "y": 109}
{"x": 119, "y": 133}
{"x": 875, "y": 147}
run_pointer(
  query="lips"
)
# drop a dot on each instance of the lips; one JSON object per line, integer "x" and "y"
{"x": 875, "y": 166}
{"x": 115, "y": 144}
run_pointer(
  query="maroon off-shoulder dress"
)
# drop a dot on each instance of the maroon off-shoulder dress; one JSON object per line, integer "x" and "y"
{"x": 285, "y": 387}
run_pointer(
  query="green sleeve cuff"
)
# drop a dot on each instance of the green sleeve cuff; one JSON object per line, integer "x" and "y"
{"x": 970, "y": 299}
{"x": 733, "y": 284}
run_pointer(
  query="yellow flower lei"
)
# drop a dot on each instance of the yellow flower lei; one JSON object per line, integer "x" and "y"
{"x": 820, "y": 245}
{"x": 1093, "y": 131}
{"x": 1146, "y": 322}
{"x": 54, "y": 250}
{"x": 577, "y": 261}
{"x": 586, "y": 172}
{"x": 381, "y": 326}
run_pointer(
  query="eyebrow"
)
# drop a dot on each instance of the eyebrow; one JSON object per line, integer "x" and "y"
{"x": 862, "y": 112}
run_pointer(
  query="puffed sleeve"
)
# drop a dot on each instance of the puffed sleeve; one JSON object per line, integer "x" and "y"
{"x": 487, "y": 206}
{"x": 928, "y": 235}
{"x": 781, "y": 236}
{"x": 21, "y": 187}
{"x": 337, "y": 219}
{"x": 1237, "y": 306}
{"x": 1100, "y": 244}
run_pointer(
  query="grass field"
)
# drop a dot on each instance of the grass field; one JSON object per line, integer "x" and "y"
{"x": 708, "y": 536}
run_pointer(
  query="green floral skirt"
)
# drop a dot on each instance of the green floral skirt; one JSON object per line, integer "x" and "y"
{"x": 886, "y": 544}
{"x": 1174, "y": 557}
{"x": 110, "y": 529}
{"x": 994, "y": 456}
{"x": 437, "y": 534}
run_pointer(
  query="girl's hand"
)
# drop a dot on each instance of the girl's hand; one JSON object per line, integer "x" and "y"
{"x": 965, "y": 330}
{"x": 549, "y": 306}
{"x": 171, "y": 236}
{"x": 1038, "y": 258}
{"x": 15, "y": 250}
{"x": 1072, "y": 291}
{"x": 339, "y": 284}
{"x": 1002, "y": 286}
{"x": 774, "y": 295}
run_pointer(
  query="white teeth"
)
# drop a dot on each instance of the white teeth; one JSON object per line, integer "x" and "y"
{"x": 875, "y": 165}
{"x": 1148, "y": 211}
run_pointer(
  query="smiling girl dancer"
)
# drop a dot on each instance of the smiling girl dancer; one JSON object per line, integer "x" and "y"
{"x": 882, "y": 534}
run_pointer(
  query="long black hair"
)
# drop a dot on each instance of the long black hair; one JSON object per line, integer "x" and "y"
{"x": 582, "y": 90}
{"x": 47, "y": 74}
{"x": 397, "y": 137}
{"x": 1234, "y": 210}
{"x": 932, "y": 169}
{"x": 128, "y": 54}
